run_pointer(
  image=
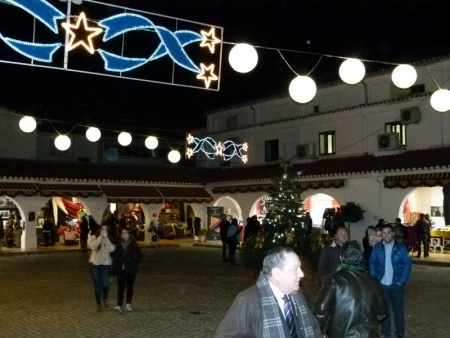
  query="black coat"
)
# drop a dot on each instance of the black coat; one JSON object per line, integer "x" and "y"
{"x": 127, "y": 259}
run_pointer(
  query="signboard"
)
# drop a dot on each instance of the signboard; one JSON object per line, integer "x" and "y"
{"x": 214, "y": 218}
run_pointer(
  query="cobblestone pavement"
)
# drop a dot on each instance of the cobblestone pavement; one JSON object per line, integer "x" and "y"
{"x": 179, "y": 292}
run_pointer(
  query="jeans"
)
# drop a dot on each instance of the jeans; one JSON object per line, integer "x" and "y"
{"x": 394, "y": 299}
{"x": 125, "y": 281}
{"x": 100, "y": 276}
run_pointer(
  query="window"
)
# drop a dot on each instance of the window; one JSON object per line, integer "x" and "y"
{"x": 327, "y": 143}
{"x": 417, "y": 89}
{"x": 272, "y": 150}
{"x": 316, "y": 109}
{"x": 399, "y": 128}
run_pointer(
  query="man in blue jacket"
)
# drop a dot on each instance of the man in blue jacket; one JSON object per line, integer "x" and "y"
{"x": 390, "y": 264}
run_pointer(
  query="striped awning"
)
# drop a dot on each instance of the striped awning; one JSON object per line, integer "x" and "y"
{"x": 131, "y": 194}
{"x": 337, "y": 183}
{"x": 417, "y": 180}
{"x": 84, "y": 190}
{"x": 13, "y": 189}
{"x": 185, "y": 194}
{"x": 241, "y": 188}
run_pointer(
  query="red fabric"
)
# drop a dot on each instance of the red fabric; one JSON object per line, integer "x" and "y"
{"x": 72, "y": 208}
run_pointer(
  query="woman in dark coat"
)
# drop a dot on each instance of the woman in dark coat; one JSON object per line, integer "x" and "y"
{"x": 127, "y": 256}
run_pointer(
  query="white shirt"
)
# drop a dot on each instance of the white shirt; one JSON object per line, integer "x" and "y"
{"x": 279, "y": 297}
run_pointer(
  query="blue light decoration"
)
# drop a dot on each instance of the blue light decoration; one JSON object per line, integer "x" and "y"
{"x": 171, "y": 43}
{"x": 211, "y": 148}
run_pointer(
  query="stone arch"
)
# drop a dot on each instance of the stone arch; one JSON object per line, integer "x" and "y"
{"x": 230, "y": 206}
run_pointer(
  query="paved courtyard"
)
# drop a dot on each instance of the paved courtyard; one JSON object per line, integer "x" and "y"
{"x": 180, "y": 292}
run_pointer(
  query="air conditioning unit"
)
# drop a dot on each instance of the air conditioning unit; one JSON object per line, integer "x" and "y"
{"x": 410, "y": 115}
{"x": 388, "y": 141}
{"x": 305, "y": 151}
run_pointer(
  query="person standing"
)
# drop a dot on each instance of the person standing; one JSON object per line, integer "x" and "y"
{"x": 84, "y": 232}
{"x": 275, "y": 306}
{"x": 133, "y": 223}
{"x": 350, "y": 303}
{"x": 233, "y": 240}
{"x": 127, "y": 256}
{"x": 2, "y": 231}
{"x": 390, "y": 264}
{"x": 423, "y": 230}
{"x": 100, "y": 259}
{"x": 47, "y": 231}
{"x": 93, "y": 225}
{"x": 330, "y": 256}
{"x": 400, "y": 231}
{"x": 223, "y": 227}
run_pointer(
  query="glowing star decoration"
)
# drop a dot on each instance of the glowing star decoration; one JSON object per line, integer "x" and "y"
{"x": 211, "y": 148}
{"x": 209, "y": 39}
{"x": 90, "y": 31}
{"x": 207, "y": 74}
{"x": 219, "y": 149}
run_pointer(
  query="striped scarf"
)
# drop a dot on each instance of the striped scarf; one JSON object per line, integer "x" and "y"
{"x": 274, "y": 324}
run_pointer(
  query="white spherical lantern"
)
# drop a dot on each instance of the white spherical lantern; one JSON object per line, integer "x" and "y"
{"x": 440, "y": 100}
{"x": 243, "y": 58}
{"x": 27, "y": 124}
{"x": 404, "y": 76}
{"x": 352, "y": 71}
{"x": 124, "y": 139}
{"x": 302, "y": 89}
{"x": 174, "y": 156}
{"x": 62, "y": 142}
{"x": 151, "y": 142}
{"x": 93, "y": 134}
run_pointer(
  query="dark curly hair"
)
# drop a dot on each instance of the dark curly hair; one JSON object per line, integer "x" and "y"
{"x": 351, "y": 253}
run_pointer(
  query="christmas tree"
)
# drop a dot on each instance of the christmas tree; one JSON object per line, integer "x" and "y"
{"x": 284, "y": 225}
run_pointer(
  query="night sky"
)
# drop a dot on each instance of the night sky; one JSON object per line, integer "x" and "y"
{"x": 390, "y": 31}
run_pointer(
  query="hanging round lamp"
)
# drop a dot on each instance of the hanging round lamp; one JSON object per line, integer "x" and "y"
{"x": 124, "y": 139}
{"x": 174, "y": 156}
{"x": 440, "y": 100}
{"x": 352, "y": 71}
{"x": 151, "y": 142}
{"x": 404, "y": 76}
{"x": 243, "y": 58}
{"x": 62, "y": 142}
{"x": 302, "y": 89}
{"x": 93, "y": 134}
{"x": 27, "y": 124}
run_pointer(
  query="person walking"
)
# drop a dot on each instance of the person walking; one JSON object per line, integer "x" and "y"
{"x": 127, "y": 256}
{"x": 390, "y": 264}
{"x": 100, "y": 259}
{"x": 233, "y": 240}
{"x": 351, "y": 303}
{"x": 275, "y": 306}
{"x": 84, "y": 232}
{"x": 223, "y": 227}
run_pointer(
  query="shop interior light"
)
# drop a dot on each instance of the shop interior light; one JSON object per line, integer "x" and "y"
{"x": 404, "y": 76}
{"x": 93, "y": 134}
{"x": 62, "y": 142}
{"x": 352, "y": 71}
{"x": 27, "y": 124}
{"x": 243, "y": 58}
{"x": 174, "y": 156}
{"x": 124, "y": 139}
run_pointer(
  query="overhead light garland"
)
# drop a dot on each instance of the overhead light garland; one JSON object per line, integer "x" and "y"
{"x": 84, "y": 32}
{"x": 209, "y": 147}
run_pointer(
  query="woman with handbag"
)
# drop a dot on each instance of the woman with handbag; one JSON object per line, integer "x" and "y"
{"x": 127, "y": 256}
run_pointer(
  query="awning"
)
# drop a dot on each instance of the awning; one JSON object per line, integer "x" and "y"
{"x": 13, "y": 189}
{"x": 241, "y": 189}
{"x": 417, "y": 180}
{"x": 83, "y": 190}
{"x": 185, "y": 194}
{"x": 337, "y": 183}
{"x": 131, "y": 194}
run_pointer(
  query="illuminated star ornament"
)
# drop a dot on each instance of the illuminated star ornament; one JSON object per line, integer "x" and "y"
{"x": 75, "y": 32}
{"x": 207, "y": 74}
{"x": 209, "y": 39}
{"x": 85, "y": 32}
{"x": 209, "y": 147}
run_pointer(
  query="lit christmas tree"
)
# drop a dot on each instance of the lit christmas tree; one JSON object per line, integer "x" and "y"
{"x": 284, "y": 225}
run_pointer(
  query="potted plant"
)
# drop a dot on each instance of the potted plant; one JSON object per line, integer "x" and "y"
{"x": 202, "y": 234}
